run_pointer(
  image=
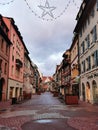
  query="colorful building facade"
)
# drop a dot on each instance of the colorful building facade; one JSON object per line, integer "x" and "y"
{"x": 4, "y": 59}
{"x": 16, "y": 60}
{"x": 75, "y": 66}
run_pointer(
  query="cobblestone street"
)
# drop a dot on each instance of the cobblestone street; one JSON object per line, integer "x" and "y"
{"x": 47, "y": 112}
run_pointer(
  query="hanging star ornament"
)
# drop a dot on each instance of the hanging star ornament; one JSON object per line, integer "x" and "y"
{"x": 47, "y": 9}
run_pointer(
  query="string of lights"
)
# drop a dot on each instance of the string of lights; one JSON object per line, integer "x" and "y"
{"x": 47, "y": 19}
{"x": 76, "y": 4}
{"x": 6, "y": 3}
{"x": 49, "y": 13}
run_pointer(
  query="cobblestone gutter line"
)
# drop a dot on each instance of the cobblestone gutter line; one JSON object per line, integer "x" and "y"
{"x": 84, "y": 123}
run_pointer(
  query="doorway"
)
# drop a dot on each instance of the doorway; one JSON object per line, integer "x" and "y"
{"x": 95, "y": 91}
{"x": 88, "y": 93}
{"x": 83, "y": 91}
{"x": 1, "y": 87}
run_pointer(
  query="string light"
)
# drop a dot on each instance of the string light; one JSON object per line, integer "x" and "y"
{"x": 40, "y": 17}
{"x": 51, "y": 19}
{"x": 76, "y": 4}
{"x": 6, "y": 3}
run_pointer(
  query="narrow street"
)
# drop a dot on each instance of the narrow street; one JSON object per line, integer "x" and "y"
{"x": 45, "y": 112}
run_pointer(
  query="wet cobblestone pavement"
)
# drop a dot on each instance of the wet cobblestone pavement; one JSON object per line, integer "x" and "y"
{"x": 45, "y": 112}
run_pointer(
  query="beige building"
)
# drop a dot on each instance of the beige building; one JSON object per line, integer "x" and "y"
{"x": 74, "y": 65}
{"x": 87, "y": 28}
{"x": 27, "y": 88}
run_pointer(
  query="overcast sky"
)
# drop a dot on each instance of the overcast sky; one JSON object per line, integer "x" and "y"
{"x": 46, "y": 37}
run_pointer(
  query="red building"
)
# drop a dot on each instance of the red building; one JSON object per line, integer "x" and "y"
{"x": 4, "y": 59}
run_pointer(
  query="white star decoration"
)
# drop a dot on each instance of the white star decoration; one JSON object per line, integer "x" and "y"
{"x": 47, "y": 9}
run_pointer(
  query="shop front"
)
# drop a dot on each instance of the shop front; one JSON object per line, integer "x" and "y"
{"x": 89, "y": 87}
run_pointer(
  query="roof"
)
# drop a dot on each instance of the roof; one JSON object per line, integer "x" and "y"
{"x": 17, "y": 31}
{"x": 47, "y": 79}
{"x": 83, "y": 13}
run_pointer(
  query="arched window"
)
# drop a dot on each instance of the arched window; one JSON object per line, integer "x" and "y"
{"x": 95, "y": 90}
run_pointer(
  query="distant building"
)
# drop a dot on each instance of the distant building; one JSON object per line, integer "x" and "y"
{"x": 87, "y": 28}
{"x": 4, "y": 59}
{"x": 47, "y": 83}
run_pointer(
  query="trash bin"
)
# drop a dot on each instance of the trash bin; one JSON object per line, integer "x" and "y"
{"x": 14, "y": 100}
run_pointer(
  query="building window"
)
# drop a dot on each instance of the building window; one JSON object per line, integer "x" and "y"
{"x": 13, "y": 54}
{"x": 94, "y": 34}
{"x": 2, "y": 44}
{"x": 83, "y": 66}
{"x": 92, "y": 12}
{"x": 88, "y": 63}
{"x": 95, "y": 59}
{"x": 13, "y": 38}
{"x": 87, "y": 41}
{"x": 12, "y": 70}
{"x": 81, "y": 33}
{"x": 82, "y": 47}
{"x": 5, "y": 68}
{"x": 0, "y": 64}
{"x": 88, "y": 20}
{"x": 7, "y": 48}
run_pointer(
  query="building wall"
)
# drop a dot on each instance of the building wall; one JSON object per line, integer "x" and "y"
{"x": 4, "y": 59}
{"x": 89, "y": 72}
{"x": 16, "y": 52}
{"x": 4, "y": 68}
{"x": 14, "y": 89}
{"x": 27, "y": 74}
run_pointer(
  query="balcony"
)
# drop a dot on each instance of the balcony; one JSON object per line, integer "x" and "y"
{"x": 19, "y": 63}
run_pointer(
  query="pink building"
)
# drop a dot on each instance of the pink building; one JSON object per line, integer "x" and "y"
{"x": 4, "y": 59}
{"x": 16, "y": 60}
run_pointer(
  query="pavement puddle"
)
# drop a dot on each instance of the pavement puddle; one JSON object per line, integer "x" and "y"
{"x": 43, "y": 121}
